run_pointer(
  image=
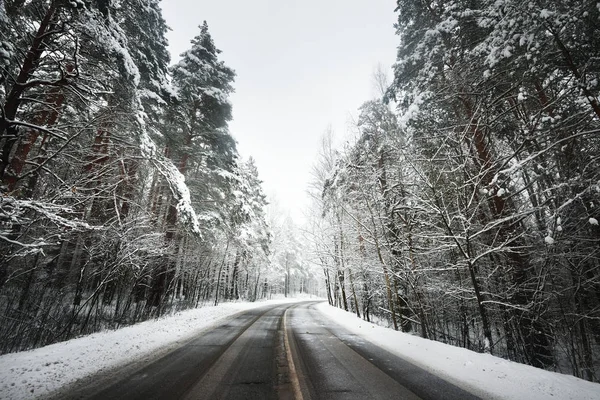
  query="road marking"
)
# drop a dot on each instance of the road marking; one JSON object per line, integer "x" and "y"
{"x": 292, "y": 367}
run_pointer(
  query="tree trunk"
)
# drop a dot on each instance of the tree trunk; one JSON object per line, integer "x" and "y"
{"x": 13, "y": 99}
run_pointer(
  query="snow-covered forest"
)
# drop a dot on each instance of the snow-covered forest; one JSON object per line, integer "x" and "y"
{"x": 122, "y": 193}
{"x": 465, "y": 209}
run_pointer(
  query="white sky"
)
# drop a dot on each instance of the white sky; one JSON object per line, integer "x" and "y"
{"x": 302, "y": 65}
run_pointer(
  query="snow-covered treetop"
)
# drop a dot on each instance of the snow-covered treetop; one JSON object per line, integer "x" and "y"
{"x": 201, "y": 79}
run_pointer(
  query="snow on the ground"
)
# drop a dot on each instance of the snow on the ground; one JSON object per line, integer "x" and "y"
{"x": 37, "y": 373}
{"x": 484, "y": 375}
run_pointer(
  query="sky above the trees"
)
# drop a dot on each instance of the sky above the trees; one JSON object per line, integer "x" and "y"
{"x": 301, "y": 66}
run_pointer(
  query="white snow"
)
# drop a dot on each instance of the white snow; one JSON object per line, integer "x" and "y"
{"x": 484, "y": 375}
{"x": 176, "y": 180}
{"x": 412, "y": 111}
{"x": 593, "y": 221}
{"x": 549, "y": 240}
{"x": 37, "y": 373}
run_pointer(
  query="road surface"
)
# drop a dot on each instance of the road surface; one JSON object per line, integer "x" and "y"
{"x": 286, "y": 351}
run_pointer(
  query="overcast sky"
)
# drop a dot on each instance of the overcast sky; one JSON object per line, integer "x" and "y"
{"x": 301, "y": 66}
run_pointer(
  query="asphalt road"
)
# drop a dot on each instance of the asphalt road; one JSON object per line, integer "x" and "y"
{"x": 336, "y": 364}
{"x": 285, "y": 352}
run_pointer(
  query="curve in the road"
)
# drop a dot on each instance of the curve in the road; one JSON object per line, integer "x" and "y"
{"x": 286, "y": 351}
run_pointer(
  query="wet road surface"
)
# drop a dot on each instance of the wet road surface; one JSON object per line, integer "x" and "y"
{"x": 287, "y": 351}
{"x": 336, "y": 364}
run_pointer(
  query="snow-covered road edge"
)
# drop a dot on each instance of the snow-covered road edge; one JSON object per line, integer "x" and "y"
{"x": 484, "y": 375}
{"x": 42, "y": 372}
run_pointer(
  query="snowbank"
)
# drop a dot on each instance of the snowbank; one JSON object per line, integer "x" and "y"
{"x": 482, "y": 374}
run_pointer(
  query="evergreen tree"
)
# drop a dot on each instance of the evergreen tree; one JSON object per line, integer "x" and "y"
{"x": 197, "y": 137}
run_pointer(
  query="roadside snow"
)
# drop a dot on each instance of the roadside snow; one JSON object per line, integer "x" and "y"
{"x": 40, "y": 372}
{"x": 482, "y": 374}
{"x": 37, "y": 373}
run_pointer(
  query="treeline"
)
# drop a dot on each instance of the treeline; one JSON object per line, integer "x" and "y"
{"x": 122, "y": 196}
{"x": 466, "y": 209}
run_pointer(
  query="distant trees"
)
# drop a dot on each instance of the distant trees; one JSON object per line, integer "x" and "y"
{"x": 122, "y": 193}
{"x": 288, "y": 261}
{"x": 470, "y": 215}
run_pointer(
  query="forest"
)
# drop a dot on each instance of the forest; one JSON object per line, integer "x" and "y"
{"x": 123, "y": 196}
{"x": 465, "y": 207}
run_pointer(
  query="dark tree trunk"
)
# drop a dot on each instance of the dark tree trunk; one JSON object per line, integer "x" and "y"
{"x": 13, "y": 99}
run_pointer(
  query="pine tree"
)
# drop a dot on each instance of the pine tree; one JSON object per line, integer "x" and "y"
{"x": 197, "y": 139}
